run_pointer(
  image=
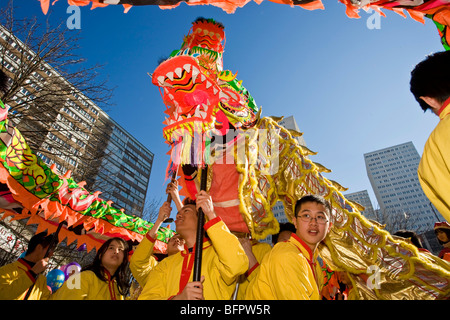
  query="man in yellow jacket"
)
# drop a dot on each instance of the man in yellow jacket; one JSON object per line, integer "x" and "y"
{"x": 17, "y": 278}
{"x": 142, "y": 260}
{"x": 290, "y": 271}
{"x": 430, "y": 85}
{"x": 223, "y": 260}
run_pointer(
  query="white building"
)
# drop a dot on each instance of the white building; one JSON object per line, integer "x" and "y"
{"x": 362, "y": 197}
{"x": 392, "y": 173}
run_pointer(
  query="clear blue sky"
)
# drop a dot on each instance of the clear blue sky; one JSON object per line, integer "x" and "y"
{"x": 346, "y": 85}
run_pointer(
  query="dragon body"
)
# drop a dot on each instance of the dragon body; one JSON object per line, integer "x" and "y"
{"x": 253, "y": 162}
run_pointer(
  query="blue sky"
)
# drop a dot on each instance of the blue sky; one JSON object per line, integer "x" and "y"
{"x": 346, "y": 85}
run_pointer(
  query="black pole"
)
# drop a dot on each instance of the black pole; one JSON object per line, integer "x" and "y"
{"x": 200, "y": 231}
{"x": 169, "y": 197}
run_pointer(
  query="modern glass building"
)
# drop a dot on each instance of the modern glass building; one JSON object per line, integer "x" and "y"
{"x": 392, "y": 173}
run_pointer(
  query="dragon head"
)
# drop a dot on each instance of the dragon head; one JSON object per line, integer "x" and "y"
{"x": 201, "y": 98}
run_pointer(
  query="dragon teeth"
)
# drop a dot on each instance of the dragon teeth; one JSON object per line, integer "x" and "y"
{"x": 208, "y": 84}
{"x": 170, "y": 75}
{"x": 187, "y": 67}
{"x": 161, "y": 80}
{"x": 178, "y": 72}
{"x": 195, "y": 73}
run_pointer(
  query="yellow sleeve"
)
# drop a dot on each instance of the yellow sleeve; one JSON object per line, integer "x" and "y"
{"x": 434, "y": 168}
{"x": 232, "y": 258}
{"x": 156, "y": 286}
{"x": 142, "y": 261}
{"x": 14, "y": 281}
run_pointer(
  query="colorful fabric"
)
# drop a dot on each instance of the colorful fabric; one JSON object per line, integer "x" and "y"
{"x": 437, "y": 10}
{"x": 211, "y": 121}
{"x": 48, "y": 199}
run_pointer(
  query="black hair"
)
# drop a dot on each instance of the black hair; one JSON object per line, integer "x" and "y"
{"x": 188, "y": 200}
{"x": 41, "y": 238}
{"x": 415, "y": 240}
{"x": 122, "y": 273}
{"x": 430, "y": 78}
{"x": 446, "y": 231}
{"x": 287, "y": 226}
{"x": 312, "y": 198}
{"x": 3, "y": 82}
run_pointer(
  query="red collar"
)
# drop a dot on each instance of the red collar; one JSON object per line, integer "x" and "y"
{"x": 445, "y": 104}
{"x": 304, "y": 245}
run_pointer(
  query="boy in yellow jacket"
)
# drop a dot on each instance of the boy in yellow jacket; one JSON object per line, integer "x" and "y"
{"x": 430, "y": 85}
{"x": 290, "y": 271}
{"x": 223, "y": 260}
{"x": 17, "y": 278}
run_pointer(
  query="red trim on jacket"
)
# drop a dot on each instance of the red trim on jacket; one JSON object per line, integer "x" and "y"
{"x": 444, "y": 105}
{"x": 28, "y": 271}
{"x": 310, "y": 260}
{"x": 149, "y": 237}
{"x": 188, "y": 263}
{"x": 249, "y": 272}
{"x": 212, "y": 222}
{"x": 112, "y": 292}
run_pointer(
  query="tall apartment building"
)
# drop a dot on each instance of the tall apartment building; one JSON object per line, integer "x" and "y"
{"x": 69, "y": 130}
{"x": 392, "y": 173}
{"x": 363, "y": 198}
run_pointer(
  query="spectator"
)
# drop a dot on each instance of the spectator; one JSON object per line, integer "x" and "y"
{"x": 430, "y": 85}
{"x": 26, "y": 273}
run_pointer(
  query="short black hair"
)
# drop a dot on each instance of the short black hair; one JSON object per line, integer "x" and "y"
{"x": 446, "y": 231}
{"x": 287, "y": 226}
{"x": 312, "y": 198}
{"x": 40, "y": 238}
{"x": 430, "y": 78}
{"x": 415, "y": 240}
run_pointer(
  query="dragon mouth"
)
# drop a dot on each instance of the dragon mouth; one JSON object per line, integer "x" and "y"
{"x": 191, "y": 95}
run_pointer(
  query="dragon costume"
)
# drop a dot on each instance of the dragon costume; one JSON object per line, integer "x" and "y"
{"x": 436, "y": 10}
{"x": 34, "y": 191}
{"x": 253, "y": 162}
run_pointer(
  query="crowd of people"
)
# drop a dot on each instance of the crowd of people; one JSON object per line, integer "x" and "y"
{"x": 237, "y": 267}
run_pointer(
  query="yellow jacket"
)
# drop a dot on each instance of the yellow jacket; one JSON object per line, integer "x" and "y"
{"x": 87, "y": 286}
{"x": 288, "y": 272}
{"x": 434, "y": 167}
{"x": 15, "y": 280}
{"x": 259, "y": 250}
{"x": 223, "y": 260}
{"x": 142, "y": 261}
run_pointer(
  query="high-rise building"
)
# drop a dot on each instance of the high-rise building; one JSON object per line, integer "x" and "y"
{"x": 66, "y": 128}
{"x": 392, "y": 173}
{"x": 362, "y": 197}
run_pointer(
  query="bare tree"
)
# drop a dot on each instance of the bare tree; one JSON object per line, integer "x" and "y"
{"x": 151, "y": 209}
{"x": 53, "y": 97}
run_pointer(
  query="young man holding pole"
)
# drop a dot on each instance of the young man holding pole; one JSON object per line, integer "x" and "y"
{"x": 17, "y": 278}
{"x": 223, "y": 259}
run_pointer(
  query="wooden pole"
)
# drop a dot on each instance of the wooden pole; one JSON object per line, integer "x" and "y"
{"x": 169, "y": 197}
{"x": 200, "y": 231}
